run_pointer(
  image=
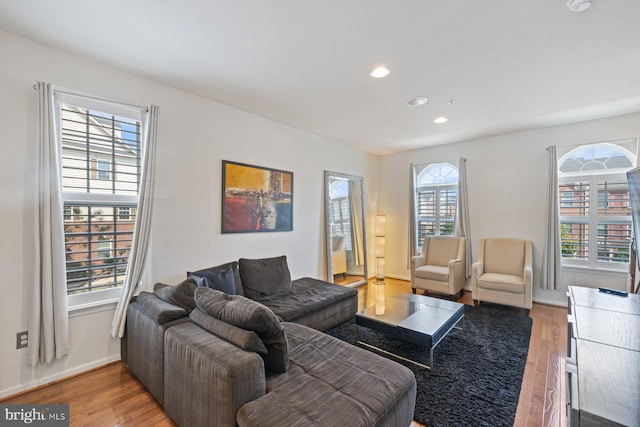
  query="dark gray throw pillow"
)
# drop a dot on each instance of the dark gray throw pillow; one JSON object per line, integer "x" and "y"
{"x": 246, "y": 340}
{"x": 180, "y": 294}
{"x": 252, "y": 316}
{"x": 221, "y": 280}
{"x": 223, "y": 267}
{"x": 266, "y": 276}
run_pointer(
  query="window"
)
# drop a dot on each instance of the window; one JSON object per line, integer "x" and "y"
{"x": 104, "y": 248}
{"x": 124, "y": 213}
{"x": 101, "y": 159}
{"x": 435, "y": 200}
{"x": 595, "y": 214}
{"x": 104, "y": 169}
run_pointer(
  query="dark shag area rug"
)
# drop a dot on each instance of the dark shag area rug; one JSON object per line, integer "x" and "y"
{"x": 477, "y": 371}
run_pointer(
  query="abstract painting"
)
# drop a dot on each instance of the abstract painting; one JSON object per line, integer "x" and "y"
{"x": 256, "y": 198}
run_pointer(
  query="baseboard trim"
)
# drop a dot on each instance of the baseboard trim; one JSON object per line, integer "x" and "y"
{"x": 66, "y": 374}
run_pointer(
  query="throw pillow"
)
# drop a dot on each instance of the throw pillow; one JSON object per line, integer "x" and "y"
{"x": 223, "y": 267}
{"x": 180, "y": 294}
{"x": 246, "y": 340}
{"x": 221, "y": 280}
{"x": 252, "y": 316}
{"x": 158, "y": 309}
{"x": 266, "y": 276}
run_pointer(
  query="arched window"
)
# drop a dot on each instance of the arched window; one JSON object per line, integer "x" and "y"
{"x": 436, "y": 194}
{"x": 595, "y": 214}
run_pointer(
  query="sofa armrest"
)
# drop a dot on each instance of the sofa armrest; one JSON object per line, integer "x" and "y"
{"x": 207, "y": 379}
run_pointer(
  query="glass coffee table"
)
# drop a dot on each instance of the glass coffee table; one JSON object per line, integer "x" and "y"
{"x": 415, "y": 318}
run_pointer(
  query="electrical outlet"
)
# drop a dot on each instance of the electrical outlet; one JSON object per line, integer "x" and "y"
{"x": 22, "y": 339}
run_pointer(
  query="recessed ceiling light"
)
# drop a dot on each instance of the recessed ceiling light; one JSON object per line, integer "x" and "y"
{"x": 380, "y": 72}
{"x": 417, "y": 101}
{"x": 440, "y": 119}
{"x": 578, "y": 5}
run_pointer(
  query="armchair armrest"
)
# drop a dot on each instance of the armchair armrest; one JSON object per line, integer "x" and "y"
{"x": 415, "y": 262}
{"x": 476, "y": 271}
{"x": 418, "y": 261}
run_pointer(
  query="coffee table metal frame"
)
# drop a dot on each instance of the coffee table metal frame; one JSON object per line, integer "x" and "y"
{"x": 415, "y": 318}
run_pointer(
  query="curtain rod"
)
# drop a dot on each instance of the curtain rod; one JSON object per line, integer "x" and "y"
{"x": 95, "y": 98}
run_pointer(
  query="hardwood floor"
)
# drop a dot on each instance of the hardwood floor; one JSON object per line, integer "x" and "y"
{"x": 111, "y": 396}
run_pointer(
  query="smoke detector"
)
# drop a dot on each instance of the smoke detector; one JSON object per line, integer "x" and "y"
{"x": 578, "y": 5}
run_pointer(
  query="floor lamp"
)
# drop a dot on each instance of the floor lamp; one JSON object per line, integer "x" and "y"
{"x": 381, "y": 221}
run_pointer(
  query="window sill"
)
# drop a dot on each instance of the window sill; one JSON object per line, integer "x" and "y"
{"x": 596, "y": 270}
{"x": 93, "y": 302}
{"x": 93, "y": 307}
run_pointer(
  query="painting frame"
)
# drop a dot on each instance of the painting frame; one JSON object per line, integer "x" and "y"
{"x": 256, "y": 199}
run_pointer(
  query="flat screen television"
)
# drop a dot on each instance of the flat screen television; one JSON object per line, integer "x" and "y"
{"x": 633, "y": 179}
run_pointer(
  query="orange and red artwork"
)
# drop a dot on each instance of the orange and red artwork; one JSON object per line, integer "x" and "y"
{"x": 256, "y": 198}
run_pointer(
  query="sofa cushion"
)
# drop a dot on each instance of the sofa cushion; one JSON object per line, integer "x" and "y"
{"x": 252, "y": 316}
{"x": 266, "y": 276}
{"x": 222, "y": 268}
{"x": 180, "y": 294}
{"x": 160, "y": 310}
{"x": 306, "y": 296}
{"x": 246, "y": 340}
{"x": 331, "y": 383}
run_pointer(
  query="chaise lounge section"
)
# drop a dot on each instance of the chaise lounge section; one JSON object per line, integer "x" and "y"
{"x": 229, "y": 360}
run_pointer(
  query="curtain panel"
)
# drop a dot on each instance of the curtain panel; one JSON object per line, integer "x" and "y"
{"x": 552, "y": 252}
{"x": 411, "y": 249}
{"x": 142, "y": 227}
{"x": 48, "y": 316}
{"x": 462, "y": 227}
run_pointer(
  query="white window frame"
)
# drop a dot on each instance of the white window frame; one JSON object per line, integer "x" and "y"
{"x": 104, "y": 170}
{"x": 105, "y": 296}
{"x": 438, "y": 189}
{"x": 592, "y": 219}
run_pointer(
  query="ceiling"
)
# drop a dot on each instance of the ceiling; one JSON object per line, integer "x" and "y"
{"x": 508, "y": 64}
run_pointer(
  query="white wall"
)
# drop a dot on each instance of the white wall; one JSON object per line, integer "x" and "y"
{"x": 194, "y": 136}
{"x": 507, "y": 179}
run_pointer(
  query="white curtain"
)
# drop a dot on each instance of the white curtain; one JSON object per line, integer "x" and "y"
{"x": 142, "y": 228}
{"x": 552, "y": 255}
{"x": 411, "y": 250}
{"x": 355, "y": 203}
{"x": 48, "y": 317}
{"x": 462, "y": 227}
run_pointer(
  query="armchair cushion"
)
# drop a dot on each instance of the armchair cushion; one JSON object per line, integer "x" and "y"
{"x": 442, "y": 249}
{"x": 433, "y": 272}
{"x": 502, "y": 282}
{"x": 504, "y": 256}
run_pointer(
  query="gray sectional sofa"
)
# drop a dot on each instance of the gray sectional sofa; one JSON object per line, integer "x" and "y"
{"x": 255, "y": 356}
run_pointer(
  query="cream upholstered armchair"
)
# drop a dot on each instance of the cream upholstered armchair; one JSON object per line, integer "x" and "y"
{"x": 441, "y": 266}
{"x": 503, "y": 273}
